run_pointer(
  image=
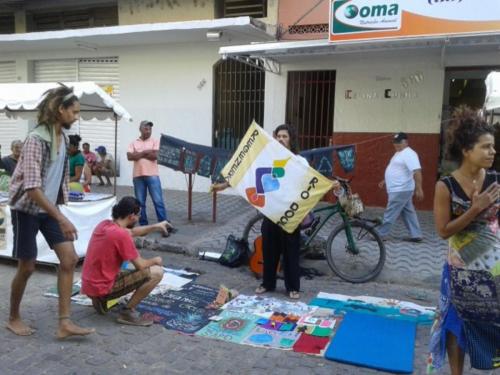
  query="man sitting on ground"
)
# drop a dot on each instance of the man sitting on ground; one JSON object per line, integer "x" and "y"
{"x": 112, "y": 244}
{"x": 103, "y": 166}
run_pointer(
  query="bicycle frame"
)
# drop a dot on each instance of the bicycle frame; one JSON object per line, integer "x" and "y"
{"x": 334, "y": 210}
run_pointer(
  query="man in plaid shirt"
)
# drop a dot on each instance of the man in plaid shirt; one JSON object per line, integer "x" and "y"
{"x": 39, "y": 184}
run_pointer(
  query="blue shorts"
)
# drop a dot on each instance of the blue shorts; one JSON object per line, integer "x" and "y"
{"x": 26, "y": 227}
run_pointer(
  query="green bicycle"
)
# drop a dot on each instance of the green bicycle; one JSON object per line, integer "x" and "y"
{"x": 354, "y": 250}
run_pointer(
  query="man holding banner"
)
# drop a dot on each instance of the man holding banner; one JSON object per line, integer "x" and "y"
{"x": 270, "y": 176}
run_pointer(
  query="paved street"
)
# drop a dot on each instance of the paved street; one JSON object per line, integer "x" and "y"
{"x": 406, "y": 263}
{"x": 155, "y": 350}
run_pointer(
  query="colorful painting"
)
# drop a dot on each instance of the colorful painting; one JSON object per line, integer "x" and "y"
{"x": 181, "y": 310}
{"x": 266, "y": 306}
{"x": 270, "y": 338}
{"x": 233, "y": 327}
{"x": 391, "y": 308}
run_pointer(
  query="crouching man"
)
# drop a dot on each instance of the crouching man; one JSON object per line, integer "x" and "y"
{"x": 112, "y": 244}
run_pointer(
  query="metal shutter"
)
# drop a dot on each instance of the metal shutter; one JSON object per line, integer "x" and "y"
{"x": 105, "y": 73}
{"x": 57, "y": 71}
{"x": 102, "y": 71}
{"x": 9, "y": 129}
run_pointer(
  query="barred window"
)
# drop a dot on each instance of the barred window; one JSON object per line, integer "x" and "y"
{"x": 7, "y": 23}
{"x": 238, "y": 8}
{"x": 73, "y": 19}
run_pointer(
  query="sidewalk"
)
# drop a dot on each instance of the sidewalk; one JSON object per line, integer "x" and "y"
{"x": 155, "y": 350}
{"x": 406, "y": 263}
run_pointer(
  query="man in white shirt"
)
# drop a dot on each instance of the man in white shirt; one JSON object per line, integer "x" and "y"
{"x": 103, "y": 166}
{"x": 403, "y": 180}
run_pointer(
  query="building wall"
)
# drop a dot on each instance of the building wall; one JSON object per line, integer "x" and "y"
{"x": 150, "y": 11}
{"x": 170, "y": 92}
{"x": 364, "y": 116}
{"x": 171, "y": 87}
{"x": 305, "y": 14}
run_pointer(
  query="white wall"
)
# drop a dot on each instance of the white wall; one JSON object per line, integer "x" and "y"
{"x": 418, "y": 74}
{"x": 161, "y": 84}
{"x": 170, "y": 85}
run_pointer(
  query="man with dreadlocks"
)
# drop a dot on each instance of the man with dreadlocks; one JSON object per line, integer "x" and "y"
{"x": 39, "y": 184}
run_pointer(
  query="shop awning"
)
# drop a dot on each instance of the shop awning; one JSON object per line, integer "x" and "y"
{"x": 284, "y": 51}
{"x": 231, "y": 30}
{"x": 22, "y": 100}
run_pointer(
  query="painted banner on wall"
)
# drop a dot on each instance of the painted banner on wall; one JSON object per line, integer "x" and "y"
{"x": 374, "y": 19}
{"x": 278, "y": 183}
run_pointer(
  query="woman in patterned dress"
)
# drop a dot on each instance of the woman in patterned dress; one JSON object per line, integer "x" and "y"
{"x": 466, "y": 207}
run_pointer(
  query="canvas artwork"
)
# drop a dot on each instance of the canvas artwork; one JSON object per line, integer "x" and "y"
{"x": 233, "y": 327}
{"x": 266, "y": 306}
{"x": 323, "y": 318}
{"x": 392, "y": 308}
{"x": 181, "y": 310}
{"x": 271, "y": 338}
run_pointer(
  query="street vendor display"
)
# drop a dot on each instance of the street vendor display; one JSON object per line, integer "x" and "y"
{"x": 22, "y": 101}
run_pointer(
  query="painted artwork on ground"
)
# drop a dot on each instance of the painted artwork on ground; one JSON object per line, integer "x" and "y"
{"x": 266, "y": 306}
{"x": 391, "y": 308}
{"x": 233, "y": 327}
{"x": 181, "y": 310}
{"x": 271, "y": 338}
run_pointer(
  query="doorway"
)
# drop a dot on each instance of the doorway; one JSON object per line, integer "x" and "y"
{"x": 462, "y": 86}
{"x": 309, "y": 106}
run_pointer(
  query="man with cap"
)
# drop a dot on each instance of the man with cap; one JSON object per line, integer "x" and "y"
{"x": 403, "y": 180}
{"x": 144, "y": 153}
{"x": 103, "y": 166}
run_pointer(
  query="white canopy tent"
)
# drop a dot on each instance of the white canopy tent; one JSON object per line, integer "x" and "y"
{"x": 21, "y": 100}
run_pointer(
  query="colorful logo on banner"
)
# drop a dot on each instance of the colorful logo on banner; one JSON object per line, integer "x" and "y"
{"x": 369, "y": 19}
{"x": 278, "y": 183}
{"x": 266, "y": 180}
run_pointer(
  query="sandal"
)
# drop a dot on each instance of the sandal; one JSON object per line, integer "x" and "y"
{"x": 294, "y": 294}
{"x": 261, "y": 290}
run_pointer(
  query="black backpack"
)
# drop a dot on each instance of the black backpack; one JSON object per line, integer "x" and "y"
{"x": 236, "y": 252}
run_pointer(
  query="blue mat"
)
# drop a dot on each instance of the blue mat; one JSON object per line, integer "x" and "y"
{"x": 375, "y": 342}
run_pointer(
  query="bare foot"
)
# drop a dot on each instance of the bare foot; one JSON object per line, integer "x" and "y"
{"x": 67, "y": 328}
{"x": 18, "y": 327}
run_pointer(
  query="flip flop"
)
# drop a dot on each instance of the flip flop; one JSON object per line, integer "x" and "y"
{"x": 261, "y": 290}
{"x": 294, "y": 294}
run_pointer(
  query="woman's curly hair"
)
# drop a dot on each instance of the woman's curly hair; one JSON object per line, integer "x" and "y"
{"x": 463, "y": 132}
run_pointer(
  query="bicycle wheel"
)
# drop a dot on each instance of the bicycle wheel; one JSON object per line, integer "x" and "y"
{"x": 252, "y": 229}
{"x": 355, "y": 267}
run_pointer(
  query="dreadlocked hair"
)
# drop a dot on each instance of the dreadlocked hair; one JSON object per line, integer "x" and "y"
{"x": 464, "y": 130}
{"x": 48, "y": 109}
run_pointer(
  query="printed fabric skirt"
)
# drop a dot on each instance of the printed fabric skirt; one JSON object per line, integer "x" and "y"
{"x": 477, "y": 334}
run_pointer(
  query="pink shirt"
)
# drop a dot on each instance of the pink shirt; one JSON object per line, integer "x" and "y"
{"x": 145, "y": 167}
